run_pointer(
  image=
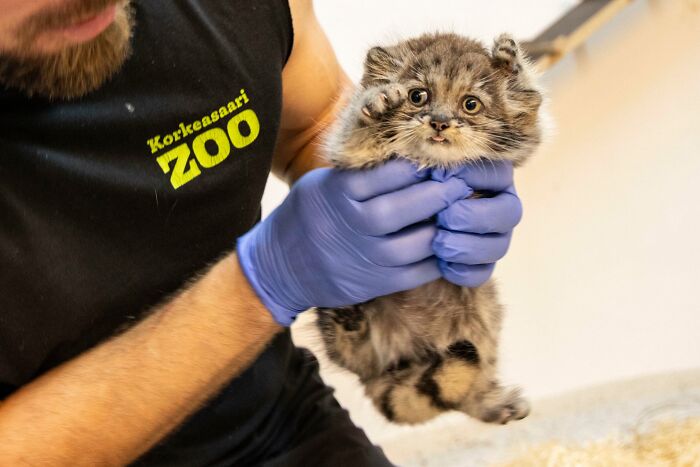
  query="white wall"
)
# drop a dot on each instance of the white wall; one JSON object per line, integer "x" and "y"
{"x": 603, "y": 277}
{"x": 602, "y": 280}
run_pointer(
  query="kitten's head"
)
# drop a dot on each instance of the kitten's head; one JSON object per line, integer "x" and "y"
{"x": 464, "y": 102}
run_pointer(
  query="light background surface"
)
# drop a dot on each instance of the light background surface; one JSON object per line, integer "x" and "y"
{"x": 602, "y": 279}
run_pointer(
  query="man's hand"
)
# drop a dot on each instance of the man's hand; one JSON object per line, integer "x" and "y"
{"x": 475, "y": 233}
{"x": 344, "y": 237}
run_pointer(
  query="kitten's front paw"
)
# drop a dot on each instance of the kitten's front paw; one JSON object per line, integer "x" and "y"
{"x": 378, "y": 101}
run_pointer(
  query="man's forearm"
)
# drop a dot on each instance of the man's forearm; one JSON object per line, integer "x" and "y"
{"x": 111, "y": 404}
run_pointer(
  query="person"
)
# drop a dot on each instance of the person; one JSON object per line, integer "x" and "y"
{"x": 135, "y": 142}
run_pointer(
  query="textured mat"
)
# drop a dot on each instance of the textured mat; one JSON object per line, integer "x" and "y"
{"x": 668, "y": 444}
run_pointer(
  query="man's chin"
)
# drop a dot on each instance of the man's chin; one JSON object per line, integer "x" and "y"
{"x": 73, "y": 71}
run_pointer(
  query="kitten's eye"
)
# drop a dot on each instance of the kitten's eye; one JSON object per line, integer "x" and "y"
{"x": 472, "y": 105}
{"x": 418, "y": 97}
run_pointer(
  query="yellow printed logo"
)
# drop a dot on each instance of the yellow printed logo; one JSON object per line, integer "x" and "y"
{"x": 210, "y": 147}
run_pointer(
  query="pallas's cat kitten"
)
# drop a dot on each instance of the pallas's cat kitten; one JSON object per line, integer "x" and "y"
{"x": 440, "y": 100}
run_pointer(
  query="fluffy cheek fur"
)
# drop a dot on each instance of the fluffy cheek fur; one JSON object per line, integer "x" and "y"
{"x": 463, "y": 143}
{"x": 383, "y": 120}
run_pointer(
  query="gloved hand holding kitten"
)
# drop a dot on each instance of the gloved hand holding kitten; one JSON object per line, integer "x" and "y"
{"x": 475, "y": 233}
{"x": 345, "y": 237}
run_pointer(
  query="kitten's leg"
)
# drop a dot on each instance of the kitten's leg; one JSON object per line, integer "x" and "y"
{"x": 345, "y": 332}
{"x": 487, "y": 399}
{"x": 350, "y": 318}
{"x": 396, "y": 395}
{"x": 415, "y": 392}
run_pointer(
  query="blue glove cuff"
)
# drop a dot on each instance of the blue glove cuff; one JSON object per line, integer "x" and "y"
{"x": 283, "y": 315}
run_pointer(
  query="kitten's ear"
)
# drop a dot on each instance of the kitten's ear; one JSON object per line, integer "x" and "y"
{"x": 380, "y": 64}
{"x": 506, "y": 54}
{"x": 522, "y": 93}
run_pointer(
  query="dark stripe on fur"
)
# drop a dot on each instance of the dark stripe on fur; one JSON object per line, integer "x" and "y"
{"x": 402, "y": 364}
{"x": 385, "y": 406}
{"x": 466, "y": 351}
{"x": 349, "y": 317}
{"x": 427, "y": 386}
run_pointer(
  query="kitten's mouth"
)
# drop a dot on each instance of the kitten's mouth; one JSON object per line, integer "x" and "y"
{"x": 439, "y": 139}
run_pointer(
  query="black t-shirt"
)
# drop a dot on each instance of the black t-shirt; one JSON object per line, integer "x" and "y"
{"x": 111, "y": 203}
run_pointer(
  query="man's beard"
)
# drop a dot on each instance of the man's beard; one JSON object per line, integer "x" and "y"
{"x": 74, "y": 71}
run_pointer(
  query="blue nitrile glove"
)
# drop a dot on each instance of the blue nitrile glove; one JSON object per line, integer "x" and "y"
{"x": 345, "y": 237}
{"x": 475, "y": 233}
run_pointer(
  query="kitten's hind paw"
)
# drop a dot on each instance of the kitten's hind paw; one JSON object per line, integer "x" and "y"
{"x": 498, "y": 406}
{"x": 517, "y": 409}
{"x": 377, "y": 101}
{"x": 350, "y": 318}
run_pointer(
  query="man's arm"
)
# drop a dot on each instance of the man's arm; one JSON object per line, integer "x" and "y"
{"x": 313, "y": 89}
{"x": 111, "y": 404}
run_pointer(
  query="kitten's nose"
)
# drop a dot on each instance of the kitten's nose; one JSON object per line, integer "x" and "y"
{"x": 439, "y": 125}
